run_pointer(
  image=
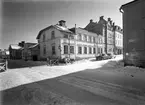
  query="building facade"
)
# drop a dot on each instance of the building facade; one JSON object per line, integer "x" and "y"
{"x": 26, "y": 54}
{"x": 76, "y": 43}
{"x": 88, "y": 44}
{"x": 118, "y": 40}
{"x": 106, "y": 29}
{"x": 54, "y": 41}
{"x": 15, "y": 51}
{"x": 134, "y": 33}
{"x": 34, "y": 52}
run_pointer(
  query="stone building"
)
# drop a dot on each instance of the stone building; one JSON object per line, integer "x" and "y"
{"x": 104, "y": 28}
{"x": 134, "y": 33}
{"x": 118, "y": 40}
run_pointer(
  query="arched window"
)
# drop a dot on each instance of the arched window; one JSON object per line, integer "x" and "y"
{"x": 52, "y": 35}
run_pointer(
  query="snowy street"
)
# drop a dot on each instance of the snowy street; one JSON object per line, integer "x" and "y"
{"x": 86, "y": 82}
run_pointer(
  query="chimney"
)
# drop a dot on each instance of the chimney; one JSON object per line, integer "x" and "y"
{"x": 91, "y": 20}
{"x": 62, "y": 23}
{"x": 109, "y": 19}
{"x": 75, "y": 28}
{"x": 101, "y": 17}
{"x": 22, "y": 43}
{"x": 113, "y": 23}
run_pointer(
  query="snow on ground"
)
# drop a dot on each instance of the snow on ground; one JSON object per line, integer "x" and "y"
{"x": 16, "y": 77}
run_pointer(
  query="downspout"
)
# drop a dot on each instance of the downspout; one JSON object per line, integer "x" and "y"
{"x": 75, "y": 40}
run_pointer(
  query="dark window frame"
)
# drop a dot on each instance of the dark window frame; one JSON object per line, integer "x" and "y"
{"x": 53, "y": 50}
{"x": 65, "y": 49}
{"x": 71, "y": 51}
{"x": 52, "y": 34}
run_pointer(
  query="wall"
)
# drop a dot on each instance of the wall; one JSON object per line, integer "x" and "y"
{"x": 49, "y": 42}
{"x": 134, "y": 34}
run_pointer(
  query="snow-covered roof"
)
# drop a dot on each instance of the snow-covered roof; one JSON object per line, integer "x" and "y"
{"x": 33, "y": 46}
{"x": 15, "y": 46}
{"x": 61, "y": 28}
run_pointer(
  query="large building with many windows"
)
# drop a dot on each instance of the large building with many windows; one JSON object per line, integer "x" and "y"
{"x": 109, "y": 31}
{"x": 59, "y": 41}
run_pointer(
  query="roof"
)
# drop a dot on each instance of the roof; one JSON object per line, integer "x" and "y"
{"x": 84, "y": 30}
{"x": 30, "y": 44}
{"x": 15, "y": 46}
{"x": 128, "y": 4}
{"x": 58, "y": 27}
{"x": 34, "y": 45}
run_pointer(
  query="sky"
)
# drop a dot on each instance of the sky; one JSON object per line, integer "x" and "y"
{"x": 21, "y": 20}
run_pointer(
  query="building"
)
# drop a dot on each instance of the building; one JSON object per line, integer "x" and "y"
{"x": 26, "y": 53}
{"x": 134, "y": 33}
{"x": 59, "y": 41}
{"x": 106, "y": 29}
{"x": 34, "y": 52}
{"x": 4, "y": 53}
{"x": 15, "y": 51}
{"x": 118, "y": 40}
{"x": 54, "y": 41}
{"x": 88, "y": 44}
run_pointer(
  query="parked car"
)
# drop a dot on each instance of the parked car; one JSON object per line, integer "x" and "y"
{"x": 104, "y": 56}
{"x": 111, "y": 55}
{"x": 3, "y": 65}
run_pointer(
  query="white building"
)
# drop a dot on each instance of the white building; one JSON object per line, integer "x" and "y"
{"x": 58, "y": 41}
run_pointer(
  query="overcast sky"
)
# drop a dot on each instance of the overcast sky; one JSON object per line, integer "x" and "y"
{"x": 23, "y": 19}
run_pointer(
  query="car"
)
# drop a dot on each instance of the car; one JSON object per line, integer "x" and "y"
{"x": 3, "y": 65}
{"x": 103, "y": 56}
{"x": 111, "y": 55}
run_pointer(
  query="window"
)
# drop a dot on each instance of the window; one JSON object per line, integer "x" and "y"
{"x": 85, "y": 50}
{"x": 79, "y": 37}
{"x": 66, "y": 36}
{"x": 72, "y": 49}
{"x": 52, "y": 35}
{"x": 94, "y": 50}
{"x": 94, "y": 40}
{"x": 44, "y": 50}
{"x": 90, "y": 50}
{"x": 72, "y": 37}
{"x": 85, "y": 37}
{"x": 53, "y": 50}
{"x": 101, "y": 50}
{"x": 89, "y": 39}
{"x": 79, "y": 50}
{"x": 65, "y": 49}
{"x": 43, "y": 37}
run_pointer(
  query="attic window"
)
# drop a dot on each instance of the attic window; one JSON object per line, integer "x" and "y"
{"x": 65, "y": 36}
{"x": 43, "y": 37}
{"x": 52, "y": 35}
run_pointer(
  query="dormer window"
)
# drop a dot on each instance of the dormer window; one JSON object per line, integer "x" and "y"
{"x": 52, "y": 35}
